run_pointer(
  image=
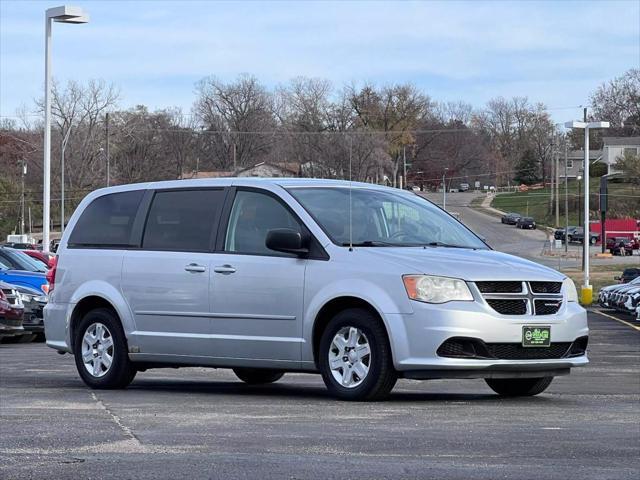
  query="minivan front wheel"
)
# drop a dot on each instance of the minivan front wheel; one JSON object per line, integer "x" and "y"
{"x": 257, "y": 376}
{"x": 100, "y": 351}
{"x": 518, "y": 387}
{"x": 355, "y": 358}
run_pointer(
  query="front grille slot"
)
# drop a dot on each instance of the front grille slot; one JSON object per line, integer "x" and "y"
{"x": 508, "y": 307}
{"x": 545, "y": 287}
{"x": 515, "y": 351}
{"x": 499, "y": 287}
{"x": 547, "y": 307}
{"x": 475, "y": 348}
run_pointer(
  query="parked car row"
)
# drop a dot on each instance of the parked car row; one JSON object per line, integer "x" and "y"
{"x": 525, "y": 223}
{"x": 622, "y": 297}
{"x": 23, "y": 295}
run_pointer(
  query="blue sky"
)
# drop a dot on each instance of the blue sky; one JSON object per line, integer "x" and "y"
{"x": 552, "y": 52}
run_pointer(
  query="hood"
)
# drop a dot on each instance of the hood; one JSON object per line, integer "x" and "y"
{"x": 25, "y": 274}
{"x": 467, "y": 264}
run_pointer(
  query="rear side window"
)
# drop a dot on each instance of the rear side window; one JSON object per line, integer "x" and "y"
{"x": 107, "y": 221}
{"x": 183, "y": 220}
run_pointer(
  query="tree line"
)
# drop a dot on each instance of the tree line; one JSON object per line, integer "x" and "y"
{"x": 367, "y": 132}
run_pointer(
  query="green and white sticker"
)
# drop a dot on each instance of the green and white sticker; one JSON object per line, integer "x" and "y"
{"x": 536, "y": 336}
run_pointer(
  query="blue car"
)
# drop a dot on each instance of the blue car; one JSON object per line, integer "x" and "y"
{"x": 19, "y": 269}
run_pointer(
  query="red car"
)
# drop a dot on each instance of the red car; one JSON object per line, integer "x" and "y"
{"x": 45, "y": 258}
{"x": 618, "y": 245}
{"x": 11, "y": 316}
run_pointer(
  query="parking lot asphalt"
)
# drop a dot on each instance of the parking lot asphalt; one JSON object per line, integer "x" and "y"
{"x": 203, "y": 423}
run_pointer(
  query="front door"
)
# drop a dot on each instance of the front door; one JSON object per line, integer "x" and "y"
{"x": 257, "y": 293}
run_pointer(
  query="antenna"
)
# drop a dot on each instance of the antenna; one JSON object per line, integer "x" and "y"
{"x": 350, "y": 209}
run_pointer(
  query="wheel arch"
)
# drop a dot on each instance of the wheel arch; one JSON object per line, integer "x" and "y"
{"x": 90, "y": 297}
{"x": 335, "y": 305}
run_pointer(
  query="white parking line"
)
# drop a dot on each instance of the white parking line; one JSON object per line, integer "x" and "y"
{"x": 616, "y": 319}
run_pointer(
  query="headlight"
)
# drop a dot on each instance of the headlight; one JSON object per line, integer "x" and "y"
{"x": 431, "y": 289}
{"x": 570, "y": 289}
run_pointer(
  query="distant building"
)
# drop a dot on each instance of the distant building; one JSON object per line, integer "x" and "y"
{"x": 616, "y": 147}
{"x": 263, "y": 169}
{"x": 270, "y": 170}
{"x": 575, "y": 162}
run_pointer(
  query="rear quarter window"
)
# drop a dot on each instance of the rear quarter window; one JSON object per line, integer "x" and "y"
{"x": 107, "y": 221}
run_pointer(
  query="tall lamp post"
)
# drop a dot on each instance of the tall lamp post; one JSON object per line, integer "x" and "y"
{"x": 63, "y": 14}
{"x": 587, "y": 290}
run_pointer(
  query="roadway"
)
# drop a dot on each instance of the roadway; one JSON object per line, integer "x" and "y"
{"x": 203, "y": 423}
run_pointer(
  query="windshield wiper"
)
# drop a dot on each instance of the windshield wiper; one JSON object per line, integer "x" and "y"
{"x": 371, "y": 243}
{"x": 447, "y": 245}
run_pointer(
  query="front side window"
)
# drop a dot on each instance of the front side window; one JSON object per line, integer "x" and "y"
{"x": 182, "y": 220}
{"x": 107, "y": 221}
{"x": 252, "y": 216}
{"x": 368, "y": 217}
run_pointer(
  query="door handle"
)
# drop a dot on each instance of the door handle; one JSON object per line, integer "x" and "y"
{"x": 224, "y": 269}
{"x": 195, "y": 268}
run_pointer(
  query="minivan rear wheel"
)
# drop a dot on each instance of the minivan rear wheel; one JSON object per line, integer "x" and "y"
{"x": 100, "y": 351}
{"x": 518, "y": 387}
{"x": 355, "y": 357}
{"x": 257, "y": 376}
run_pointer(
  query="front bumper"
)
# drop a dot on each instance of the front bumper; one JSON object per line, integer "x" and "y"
{"x": 416, "y": 337}
{"x": 10, "y": 330}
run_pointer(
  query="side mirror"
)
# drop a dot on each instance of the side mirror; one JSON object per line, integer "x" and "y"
{"x": 287, "y": 241}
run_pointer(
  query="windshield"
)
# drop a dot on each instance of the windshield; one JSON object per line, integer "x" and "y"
{"x": 24, "y": 261}
{"x": 383, "y": 218}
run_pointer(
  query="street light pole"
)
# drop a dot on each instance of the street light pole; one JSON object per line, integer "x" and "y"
{"x": 63, "y": 14}
{"x": 62, "y": 150}
{"x": 587, "y": 291}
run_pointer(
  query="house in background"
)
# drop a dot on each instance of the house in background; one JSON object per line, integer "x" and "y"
{"x": 616, "y": 147}
{"x": 575, "y": 162}
{"x": 263, "y": 169}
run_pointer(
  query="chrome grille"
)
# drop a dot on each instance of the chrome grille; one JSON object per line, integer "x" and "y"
{"x": 522, "y": 298}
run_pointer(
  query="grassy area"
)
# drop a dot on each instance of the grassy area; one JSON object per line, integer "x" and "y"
{"x": 624, "y": 201}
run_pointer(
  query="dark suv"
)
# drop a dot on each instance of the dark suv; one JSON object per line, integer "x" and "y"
{"x": 510, "y": 218}
{"x": 526, "y": 223}
{"x": 578, "y": 236}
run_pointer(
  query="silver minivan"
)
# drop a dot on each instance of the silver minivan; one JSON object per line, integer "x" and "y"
{"x": 361, "y": 283}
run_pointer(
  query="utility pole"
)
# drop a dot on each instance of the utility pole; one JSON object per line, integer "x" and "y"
{"x": 22, "y": 198}
{"x": 404, "y": 162}
{"x": 566, "y": 200}
{"x": 106, "y": 150}
{"x": 444, "y": 189}
{"x": 552, "y": 193}
{"x": 235, "y": 164}
{"x": 556, "y": 172}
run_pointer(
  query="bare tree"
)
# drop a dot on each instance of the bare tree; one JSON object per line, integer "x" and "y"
{"x": 239, "y": 117}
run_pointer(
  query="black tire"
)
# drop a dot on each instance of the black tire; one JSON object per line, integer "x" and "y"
{"x": 381, "y": 376}
{"x": 122, "y": 371}
{"x": 40, "y": 338}
{"x": 257, "y": 376}
{"x": 518, "y": 387}
{"x": 26, "y": 338}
